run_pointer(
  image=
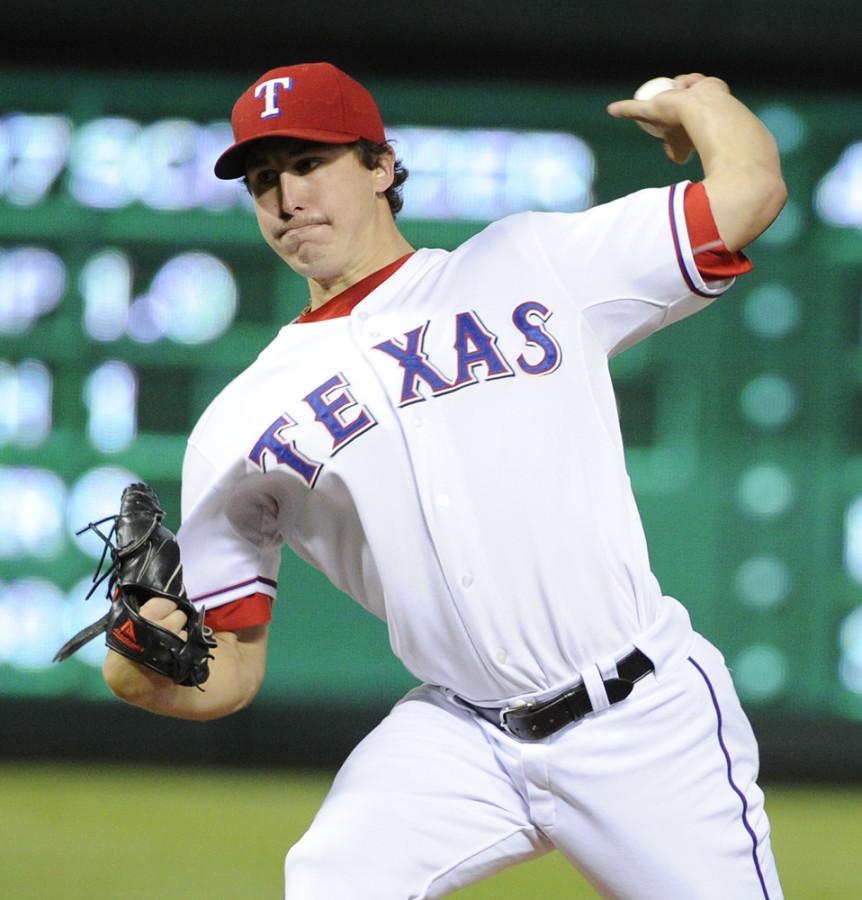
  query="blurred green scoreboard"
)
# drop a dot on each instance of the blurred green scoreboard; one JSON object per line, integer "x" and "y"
{"x": 134, "y": 285}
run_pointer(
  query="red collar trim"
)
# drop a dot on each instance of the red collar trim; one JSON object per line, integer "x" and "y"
{"x": 343, "y": 303}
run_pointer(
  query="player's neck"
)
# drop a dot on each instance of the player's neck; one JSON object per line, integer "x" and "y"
{"x": 383, "y": 251}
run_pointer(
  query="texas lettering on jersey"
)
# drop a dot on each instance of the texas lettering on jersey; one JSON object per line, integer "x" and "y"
{"x": 345, "y": 419}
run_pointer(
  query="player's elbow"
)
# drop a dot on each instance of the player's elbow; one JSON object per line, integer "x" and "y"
{"x": 226, "y": 706}
{"x": 248, "y": 689}
{"x": 746, "y": 204}
{"x": 223, "y": 696}
{"x": 771, "y": 197}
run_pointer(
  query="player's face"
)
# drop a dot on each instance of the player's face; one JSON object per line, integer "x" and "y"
{"x": 317, "y": 206}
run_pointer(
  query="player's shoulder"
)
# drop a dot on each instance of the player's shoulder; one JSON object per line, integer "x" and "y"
{"x": 497, "y": 232}
{"x": 513, "y": 223}
{"x": 542, "y": 225}
{"x": 516, "y": 229}
{"x": 645, "y": 203}
{"x": 233, "y": 396}
{"x": 532, "y": 220}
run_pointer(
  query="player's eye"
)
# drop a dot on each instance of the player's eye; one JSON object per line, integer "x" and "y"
{"x": 306, "y": 164}
{"x": 262, "y": 180}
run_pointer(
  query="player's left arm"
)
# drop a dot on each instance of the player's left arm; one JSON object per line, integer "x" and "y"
{"x": 741, "y": 165}
{"x": 236, "y": 670}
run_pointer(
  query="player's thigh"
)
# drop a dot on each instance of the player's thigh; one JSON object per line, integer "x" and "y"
{"x": 660, "y": 797}
{"x": 421, "y": 807}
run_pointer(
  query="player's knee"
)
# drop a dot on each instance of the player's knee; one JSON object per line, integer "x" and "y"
{"x": 314, "y": 870}
{"x": 310, "y": 874}
{"x": 298, "y": 870}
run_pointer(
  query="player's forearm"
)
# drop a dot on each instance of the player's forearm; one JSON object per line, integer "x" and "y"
{"x": 236, "y": 673}
{"x": 742, "y": 169}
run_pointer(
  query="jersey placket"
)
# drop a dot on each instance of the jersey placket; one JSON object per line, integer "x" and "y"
{"x": 449, "y": 522}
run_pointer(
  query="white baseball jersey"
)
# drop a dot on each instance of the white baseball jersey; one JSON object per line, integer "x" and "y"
{"x": 449, "y": 453}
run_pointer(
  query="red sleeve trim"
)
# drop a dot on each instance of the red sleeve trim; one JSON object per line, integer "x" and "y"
{"x": 712, "y": 258}
{"x": 256, "y": 609}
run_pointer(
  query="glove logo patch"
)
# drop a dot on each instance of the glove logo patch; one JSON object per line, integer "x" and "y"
{"x": 125, "y": 634}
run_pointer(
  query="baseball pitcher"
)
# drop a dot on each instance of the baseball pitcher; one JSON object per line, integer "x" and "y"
{"x": 437, "y": 433}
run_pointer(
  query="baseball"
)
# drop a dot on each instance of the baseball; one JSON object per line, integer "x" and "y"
{"x": 647, "y": 91}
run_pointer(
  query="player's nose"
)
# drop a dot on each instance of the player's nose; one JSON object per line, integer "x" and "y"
{"x": 290, "y": 193}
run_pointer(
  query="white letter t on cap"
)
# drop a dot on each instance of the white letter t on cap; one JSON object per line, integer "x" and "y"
{"x": 269, "y": 89}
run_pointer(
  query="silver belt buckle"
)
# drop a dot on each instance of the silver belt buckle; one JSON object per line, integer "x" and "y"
{"x": 518, "y": 705}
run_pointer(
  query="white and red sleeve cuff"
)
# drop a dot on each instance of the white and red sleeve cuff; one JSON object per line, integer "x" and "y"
{"x": 713, "y": 260}
{"x": 256, "y": 609}
{"x": 236, "y": 591}
{"x": 707, "y": 266}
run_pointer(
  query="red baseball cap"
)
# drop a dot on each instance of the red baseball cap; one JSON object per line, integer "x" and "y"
{"x": 312, "y": 101}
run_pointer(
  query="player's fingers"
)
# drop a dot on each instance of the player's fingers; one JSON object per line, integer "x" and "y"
{"x": 677, "y": 145}
{"x": 174, "y": 622}
{"x": 687, "y": 80}
{"x": 156, "y": 608}
{"x": 707, "y": 81}
{"x": 654, "y": 111}
{"x": 627, "y": 109}
{"x": 678, "y": 151}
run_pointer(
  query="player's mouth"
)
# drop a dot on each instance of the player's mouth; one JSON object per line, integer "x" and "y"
{"x": 298, "y": 227}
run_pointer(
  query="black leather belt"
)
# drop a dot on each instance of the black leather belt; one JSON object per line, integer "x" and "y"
{"x": 534, "y": 721}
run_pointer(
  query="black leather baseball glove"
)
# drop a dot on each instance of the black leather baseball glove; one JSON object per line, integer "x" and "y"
{"x": 145, "y": 562}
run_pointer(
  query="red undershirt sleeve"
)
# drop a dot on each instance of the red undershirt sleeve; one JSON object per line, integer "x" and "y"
{"x": 713, "y": 259}
{"x": 256, "y": 609}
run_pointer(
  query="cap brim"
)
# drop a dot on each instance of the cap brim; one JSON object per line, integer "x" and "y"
{"x": 231, "y": 164}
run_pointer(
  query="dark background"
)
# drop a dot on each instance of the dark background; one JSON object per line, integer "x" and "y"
{"x": 792, "y": 45}
{"x": 761, "y": 43}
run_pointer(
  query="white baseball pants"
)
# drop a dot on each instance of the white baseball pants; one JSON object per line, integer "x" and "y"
{"x": 654, "y": 798}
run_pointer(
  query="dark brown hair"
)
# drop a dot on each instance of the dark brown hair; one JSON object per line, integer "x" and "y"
{"x": 369, "y": 155}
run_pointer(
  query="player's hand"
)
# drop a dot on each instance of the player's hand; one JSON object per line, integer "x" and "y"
{"x": 666, "y": 111}
{"x": 165, "y": 613}
{"x": 131, "y": 681}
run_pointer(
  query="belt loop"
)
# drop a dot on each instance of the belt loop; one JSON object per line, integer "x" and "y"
{"x": 595, "y": 688}
{"x": 607, "y": 668}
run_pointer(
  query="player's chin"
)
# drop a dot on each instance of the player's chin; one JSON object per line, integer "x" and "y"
{"x": 296, "y": 251}
{"x": 314, "y": 261}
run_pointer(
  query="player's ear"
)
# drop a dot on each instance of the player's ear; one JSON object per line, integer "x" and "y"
{"x": 384, "y": 171}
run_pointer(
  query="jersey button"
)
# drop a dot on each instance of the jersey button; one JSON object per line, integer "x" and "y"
{"x": 443, "y": 500}
{"x": 362, "y": 314}
{"x": 502, "y": 656}
{"x": 466, "y": 580}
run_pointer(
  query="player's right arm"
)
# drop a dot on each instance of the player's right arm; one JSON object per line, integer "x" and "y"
{"x": 741, "y": 166}
{"x": 236, "y": 672}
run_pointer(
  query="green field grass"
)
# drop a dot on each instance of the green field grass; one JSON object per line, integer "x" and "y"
{"x": 111, "y": 833}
